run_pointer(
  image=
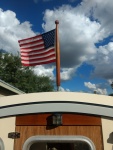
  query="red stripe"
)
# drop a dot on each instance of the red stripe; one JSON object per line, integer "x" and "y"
{"x": 37, "y": 56}
{"x": 31, "y": 54}
{"x": 39, "y": 59}
{"x": 31, "y": 47}
{"x": 34, "y": 64}
{"x": 34, "y": 37}
{"x": 33, "y": 51}
{"x": 33, "y": 42}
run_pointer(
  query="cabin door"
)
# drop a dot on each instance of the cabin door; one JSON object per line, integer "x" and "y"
{"x": 72, "y": 125}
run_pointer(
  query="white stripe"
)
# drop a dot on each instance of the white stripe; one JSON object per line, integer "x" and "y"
{"x": 27, "y": 62}
{"x": 34, "y": 57}
{"x": 33, "y": 49}
{"x": 30, "y": 45}
{"x": 30, "y": 40}
{"x": 33, "y": 53}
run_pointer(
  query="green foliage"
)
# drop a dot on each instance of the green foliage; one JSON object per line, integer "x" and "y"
{"x": 24, "y": 78}
{"x": 112, "y": 85}
{"x": 112, "y": 88}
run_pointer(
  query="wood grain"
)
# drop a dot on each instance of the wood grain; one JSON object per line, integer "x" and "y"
{"x": 67, "y": 119}
{"x": 92, "y": 132}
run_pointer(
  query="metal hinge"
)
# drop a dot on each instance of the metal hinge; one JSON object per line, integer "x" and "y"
{"x": 14, "y": 135}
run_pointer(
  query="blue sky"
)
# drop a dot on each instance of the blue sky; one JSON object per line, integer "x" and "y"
{"x": 86, "y": 38}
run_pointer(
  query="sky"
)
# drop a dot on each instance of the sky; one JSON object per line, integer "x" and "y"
{"x": 86, "y": 38}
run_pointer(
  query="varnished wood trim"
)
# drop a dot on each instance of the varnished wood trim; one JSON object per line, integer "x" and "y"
{"x": 92, "y": 132}
{"x": 67, "y": 119}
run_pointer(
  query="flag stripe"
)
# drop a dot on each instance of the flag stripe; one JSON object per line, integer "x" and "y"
{"x": 38, "y": 53}
{"x": 38, "y": 50}
{"x": 31, "y": 44}
{"x": 37, "y": 56}
{"x": 40, "y": 59}
{"x": 35, "y": 38}
{"x": 38, "y": 63}
{"x": 32, "y": 49}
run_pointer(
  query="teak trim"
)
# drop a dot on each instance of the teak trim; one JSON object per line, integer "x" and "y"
{"x": 67, "y": 119}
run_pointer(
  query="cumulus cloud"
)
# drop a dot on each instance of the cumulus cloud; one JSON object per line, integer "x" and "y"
{"x": 80, "y": 30}
{"x": 103, "y": 61}
{"x": 11, "y": 30}
{"x": 110, "y": 81}
{"x": 76, "y": 32}
{"x": 95, "y": 88}
{"x": 100, "y": 11}
{"x": 67, "y": 73}
{"x": 44, "y": 71}
{"x": 64, "y": 90}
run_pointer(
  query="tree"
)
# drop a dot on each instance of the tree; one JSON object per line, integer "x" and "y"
{"x": 112, "y": 85}
{"x": 112, "y": 88}
{"x": 24, "y": 78}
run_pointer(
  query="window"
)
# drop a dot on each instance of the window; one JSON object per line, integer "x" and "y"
{"x": 58, "y": 143}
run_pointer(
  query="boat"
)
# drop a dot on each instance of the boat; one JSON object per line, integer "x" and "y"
{"x": 55, "y": 120}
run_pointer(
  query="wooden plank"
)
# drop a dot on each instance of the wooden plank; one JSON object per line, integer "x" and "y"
{"x": 72, "y": 119}
{"x": 37, "y": 119}
{"x": 92, "y": 132}
{"x": 67, "y": 119}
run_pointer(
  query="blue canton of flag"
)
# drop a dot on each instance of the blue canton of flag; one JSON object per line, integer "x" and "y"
{"x": 49, "y": 39}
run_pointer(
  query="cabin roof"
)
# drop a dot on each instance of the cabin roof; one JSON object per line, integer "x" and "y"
{"x": 65, "y": 102}
{"x": 7, "y": 89}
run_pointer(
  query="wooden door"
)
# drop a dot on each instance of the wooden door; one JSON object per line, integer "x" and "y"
{"x": 72, "y": 125}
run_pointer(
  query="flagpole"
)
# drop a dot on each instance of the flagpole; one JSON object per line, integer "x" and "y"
{"x": 57, "y": 57}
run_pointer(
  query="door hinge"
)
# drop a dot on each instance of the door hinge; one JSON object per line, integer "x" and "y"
{"x": 14, "y": 135}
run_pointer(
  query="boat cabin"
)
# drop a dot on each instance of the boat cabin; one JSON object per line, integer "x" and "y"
{"x": 55, "y": 121}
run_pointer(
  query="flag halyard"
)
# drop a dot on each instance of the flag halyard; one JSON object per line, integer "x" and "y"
{"x": 38, "y": 50}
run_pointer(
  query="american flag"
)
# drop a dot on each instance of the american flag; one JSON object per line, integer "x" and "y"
{"x": 38, "y": 50}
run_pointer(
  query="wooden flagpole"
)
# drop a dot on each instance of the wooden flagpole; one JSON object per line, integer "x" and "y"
{"x": 57, "y": 57}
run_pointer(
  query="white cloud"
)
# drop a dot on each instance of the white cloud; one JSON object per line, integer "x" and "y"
{"x": 110, "y": 81}
{"x": 11, "y": 30}
{"x": 76, "y": 41}
{"x": 103, "y": 62}
{"x": 80, "y": 29}
{"x": 95, "y": 88}
{"x": 64, "y": 90}
{"x": 100, "y": 11}
{"x": 44, "y": 71}
{"x": 67, "y": 73}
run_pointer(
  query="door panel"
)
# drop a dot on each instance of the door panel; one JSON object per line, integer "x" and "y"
{"x": 92, "y": 132}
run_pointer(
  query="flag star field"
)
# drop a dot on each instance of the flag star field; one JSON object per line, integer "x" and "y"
{"x": 49, "y": 39}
